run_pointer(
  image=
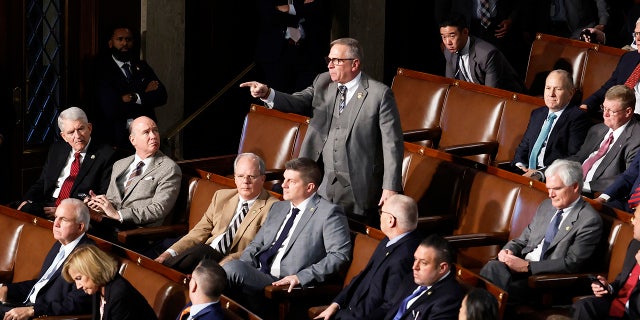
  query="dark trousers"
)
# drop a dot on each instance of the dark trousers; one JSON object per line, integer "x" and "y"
{"x": 592, "y": 308}
{"x": 186, "y": 261}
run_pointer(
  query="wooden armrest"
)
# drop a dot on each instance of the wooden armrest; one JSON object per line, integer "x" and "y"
{"x": 316, "y": 311}
{"x": 280, "y": 292}
{"x": 557, "y": 280}
{"x": 152, "y": 233}
{"x": 422, "y": 134}
{"x": 478, "y": 239}
{"x": 72, "y": 317}
{"x": 470, "y": 149}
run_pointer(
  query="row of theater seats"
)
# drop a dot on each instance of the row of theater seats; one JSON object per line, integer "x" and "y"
{"x": 477, "y": 208}
{"x": 26, "y": 239}
{"x": 590, "y": 64}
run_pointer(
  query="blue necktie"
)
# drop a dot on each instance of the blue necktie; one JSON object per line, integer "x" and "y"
{"x": 343, "y": 97}
{"x": 403, "y": 306}
{"x": 127, "y": 71}
{"x": 542, "y": 137}
{"x": 552, "y": 230}
{"x": 45, "y": 277}
{"x": 266, "y": 256}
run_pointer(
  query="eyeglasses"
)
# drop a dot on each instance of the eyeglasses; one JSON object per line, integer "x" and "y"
{"x": 380, "y": 212}
{"x": 635, "y": 34}
{"x": 607, "y": 110}
{"x": 243, "y": 177}
{"x": 336, "y": 61}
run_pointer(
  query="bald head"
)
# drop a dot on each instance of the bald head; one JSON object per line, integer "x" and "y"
{"x": 144, "y": 136}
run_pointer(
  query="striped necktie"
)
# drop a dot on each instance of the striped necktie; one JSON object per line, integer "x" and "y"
{"x": 225, "y": 243}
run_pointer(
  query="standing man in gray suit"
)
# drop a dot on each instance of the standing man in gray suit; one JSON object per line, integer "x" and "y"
{"x": 610, "y": 146}
{"x": 304, "y": 241}
{"x": 561, "y": 238}
{"x": 143, "y": 187}
{"x": 474, "y": 60}
{"x": 354, "y": 131}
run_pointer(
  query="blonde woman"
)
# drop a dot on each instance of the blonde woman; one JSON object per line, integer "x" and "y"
{"x": 96, "y": 272}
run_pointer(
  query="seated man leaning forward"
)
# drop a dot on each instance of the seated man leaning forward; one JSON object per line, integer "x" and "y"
{"x": 143, "y": 187}
{"x": 561, "y": 238}
{"x": 231, "y": 221}
{"x": 305, "y": 240}
{"x": 50, "y": 294}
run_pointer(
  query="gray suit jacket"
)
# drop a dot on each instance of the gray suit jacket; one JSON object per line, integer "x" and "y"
{"x": 576, "y": 241}
{"x": 151, "y": 195}
{"x": 616, "y": 160}
{"x": 320, "y": 245}
{"x": 487, "y": 66}
{"x": 374, "y": 143}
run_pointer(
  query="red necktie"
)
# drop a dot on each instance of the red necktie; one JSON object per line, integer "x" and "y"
{"x": 65, "y": 190}
{"x": 634, "y": 200}
{"x": 617, "y": 308}
{"x": 633, "y": 78}
{"x": 604, "y": 147}
{"x": 136, "y": 172}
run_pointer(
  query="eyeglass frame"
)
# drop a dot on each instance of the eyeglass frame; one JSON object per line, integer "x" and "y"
{"x": 635, "y": 34}
{"x": 380, "y": 212}
{"x": 611, "y": 111}
{"x": 337, "y": 61}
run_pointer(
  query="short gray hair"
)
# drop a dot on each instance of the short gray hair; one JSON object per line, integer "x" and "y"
{"x": 73, "y": 114}
{"x": 405, "y": 210}
{"x": 252, "y": 156}
{"x": 355, "y": 50}
{"x": 566, "y": 77}
{"x": 81, "y": 210}
{"x": 569, "y": 172}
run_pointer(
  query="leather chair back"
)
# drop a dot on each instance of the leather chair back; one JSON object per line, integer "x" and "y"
{"x": 600, "y": 63}
{"x": 29, "y": 261}
{"x": 513, "y": 123}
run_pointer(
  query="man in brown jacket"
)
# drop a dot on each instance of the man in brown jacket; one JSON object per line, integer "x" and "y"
{"x": 229, "y": 224}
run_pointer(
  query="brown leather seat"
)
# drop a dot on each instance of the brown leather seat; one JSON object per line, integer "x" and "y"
{"x": 550, "y": 52}
{"x": 513, "y": 123}
{"x": 470, "y": 279}
{"x": 599, "y": 65}
{"x": 420, "y": 98}
{"x": 234, "y": 311}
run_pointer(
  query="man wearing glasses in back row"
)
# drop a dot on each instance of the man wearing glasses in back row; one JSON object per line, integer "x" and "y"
{"x": 354, "y": 131}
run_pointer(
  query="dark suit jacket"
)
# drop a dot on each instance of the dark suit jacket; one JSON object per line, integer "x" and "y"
{"x": 124, "y": 302}
{"x": 625, "y": 67}
{"x": 57, "y": 297}
{"x": 319, "y": 247}
{"x": 211, "y": 312}
{"x": 369, "y": 294}
{"x": 565, "y": 138}
{"x": 111, "y": 85}
{"x": 441, "y": 301}
{"x": 374, "y": 143}
{"x": 625, "y": 184}
{"x": 580, "y": 14}
{"x": 621, "y": 279}
{"x": 93, "y": 175}
{"x": 487, "y": 66}
{"x": 616, "y": 160}
{"x": 574, "y": 244}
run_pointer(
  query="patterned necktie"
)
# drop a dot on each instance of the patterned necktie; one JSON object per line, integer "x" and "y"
{"x": 633, "y": 78}
{"x": 405, "y": 302}
{"x": 52, "y": 268}
{"x": 634, "y": 199}
{"x": 65, "y": 190}
{"x": 542, "y": 137}
{"x": 225, "y": 243}
{"x": 618, "y": 304}
{"x": 485, "y": 13}
{"x": 136, "y": 172}
{"x": 604, "y": 147}
{"x": 343, "y": 97}
{"x": 552, "y": 230}
{"x": 185, "y": 313}
{"x": 127, "y": 71}
{"x": 266, "y": 256}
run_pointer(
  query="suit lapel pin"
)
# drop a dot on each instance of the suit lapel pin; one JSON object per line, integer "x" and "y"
{"x": 93, "y": 156}
{"x": 567, "y": 228}
{"x": 359, "y": 95}
{"x": 429, "y": 293}
{"x": 312, "y": 209}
